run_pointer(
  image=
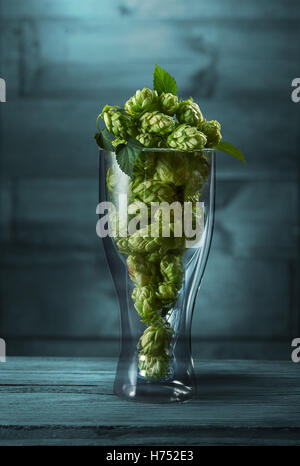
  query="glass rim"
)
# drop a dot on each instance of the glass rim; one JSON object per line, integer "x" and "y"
{"x": 173, "y": 149}
{"x": 170, "y": 149}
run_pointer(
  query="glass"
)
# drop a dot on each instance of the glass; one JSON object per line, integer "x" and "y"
{"x": 191, "y": 176}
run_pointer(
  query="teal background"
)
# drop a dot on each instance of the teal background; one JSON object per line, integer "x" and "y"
{"x": 62, "y": 61}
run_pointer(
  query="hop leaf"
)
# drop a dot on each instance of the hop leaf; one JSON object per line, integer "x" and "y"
{"x": 144, "y": 100}
{"x": 189, "y": 113}
{"x": 127, "y": 155}
{"x": 186, "y": 137}
{"x": 227, "y": 147}
{"x": 163, "y": 81}
{"x": 118, "y": 122}
{"x": 157, "y": 123}
{"x": 168, "y": 103}
{"x": 103, "y": 140}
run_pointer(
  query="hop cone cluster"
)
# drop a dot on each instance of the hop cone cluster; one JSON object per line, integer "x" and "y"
{"x": 154, "y": 120}
{"x": 155, "y": 261}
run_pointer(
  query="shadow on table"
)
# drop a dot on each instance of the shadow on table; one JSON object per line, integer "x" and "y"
{"x": 225, "y": 386}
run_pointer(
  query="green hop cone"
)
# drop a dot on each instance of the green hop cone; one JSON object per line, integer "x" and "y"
{"x": 140, "y": 271}
{"x": 155, "y": 367}
{"x": 186, "y": 137}
{"x": 157, "y": 123}
{"x": 145, "y": 165}
{"x": 198, "y": 169}
{"x": 172, "y": 168}
{"x": 116, "y": 142}
{"x": 171, "y": 268}
{"x": 167, "y": 293}
{"x": 212, "y": 131}
{"x": 154, "y": 257}
{"x": 123, "y": 245}
{"x": 151, "y": 140}
{"x": 156, "y": 340}
{"x": 145, "y": 100}
{"x": 153, "y": 191}
{"x": 189, "y": 113}
{"x": 146, "y": 303}
{"x": 139, "y": 215}
{"x": 111, "y": 179}
{"x": 145, "y": 241}
{"x": 118, "y": 122}
{"x": 193, "y": 187}
{"x": 154, "y": 355}
{"x": 168, "y": 103}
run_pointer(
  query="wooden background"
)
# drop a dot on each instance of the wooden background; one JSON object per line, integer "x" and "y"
{"x": 62, "y": 61}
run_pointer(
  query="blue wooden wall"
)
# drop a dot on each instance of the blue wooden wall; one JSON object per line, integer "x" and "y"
{"x": 62, "y": 61}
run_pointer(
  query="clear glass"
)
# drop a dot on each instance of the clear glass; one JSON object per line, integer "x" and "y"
{"x": 130, "y": 382}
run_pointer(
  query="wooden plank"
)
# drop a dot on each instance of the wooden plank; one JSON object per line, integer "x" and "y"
{"x": 93, "y": 56}
{"x": 69, "y": 401}
{"x": 116, "y": 10}
{"x": 76, "y": 298}
{"x": 90, "y": 436}
{"x": 53, "y": 152}
{"x": 214, "y": 347}
{"x": 250, "y": 216}
{"x": 63, "y": 300}
{"x": 243, "y": 287}
{"x": 252, "y": 219}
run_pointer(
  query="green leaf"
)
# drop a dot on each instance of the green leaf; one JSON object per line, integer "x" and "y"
{"x": 128, "y": 154}
{"x": 163, "y": 81}
{"x": 103, "y": 141}
{"x": 224, "y": 146}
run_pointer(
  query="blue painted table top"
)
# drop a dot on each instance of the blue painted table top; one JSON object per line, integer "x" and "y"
{"x": 69, "y": 401}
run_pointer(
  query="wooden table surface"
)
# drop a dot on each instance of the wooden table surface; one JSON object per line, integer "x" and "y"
{"x": 69, "y": 401}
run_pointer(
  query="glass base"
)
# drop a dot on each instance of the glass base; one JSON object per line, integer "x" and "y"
{"x": 156, "y": 392}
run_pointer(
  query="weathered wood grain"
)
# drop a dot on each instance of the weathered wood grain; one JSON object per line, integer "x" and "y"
{"x": 116, "y": 10}
{"x": 61, "y": 156}
{"x": 70, "y": 401}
